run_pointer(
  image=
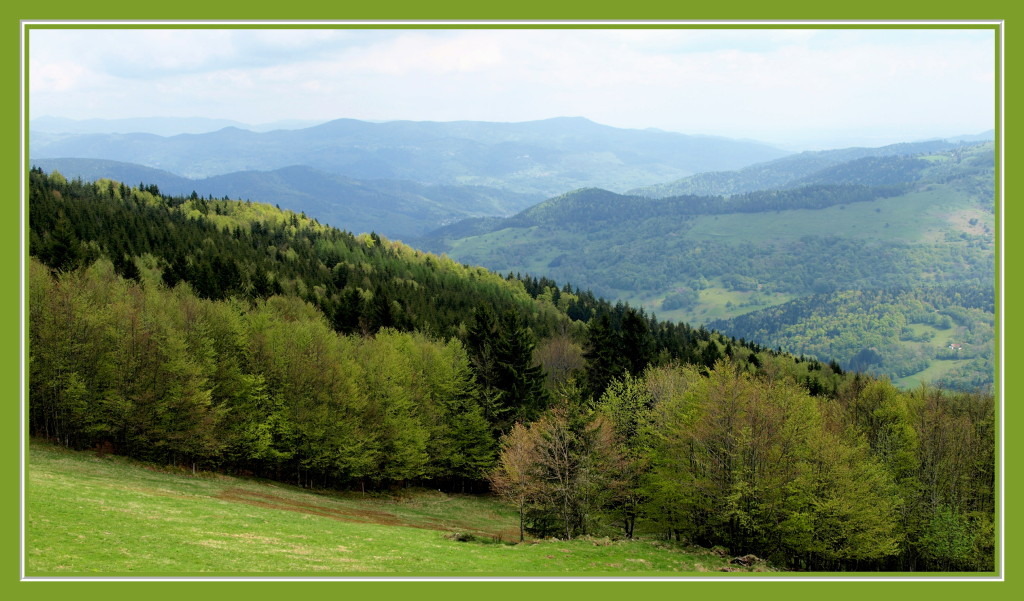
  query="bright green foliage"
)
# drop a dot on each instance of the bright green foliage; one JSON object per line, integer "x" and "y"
{"x": 284, "y": 367}
{"x": 268, "y": 387}
{"x": 626, "y": 403}
{"x": 844, "y": 508}
{"x": 883, "y": 414}
{"x": 748, "y": 464}
{"x": 947, "y": 541}
{"x": 956, "y": 481}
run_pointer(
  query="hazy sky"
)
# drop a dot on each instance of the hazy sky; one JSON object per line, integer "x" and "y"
{"x": 798, "y": 88}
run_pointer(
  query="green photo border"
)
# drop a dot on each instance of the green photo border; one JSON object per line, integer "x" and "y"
{"x": 524, "y": 11}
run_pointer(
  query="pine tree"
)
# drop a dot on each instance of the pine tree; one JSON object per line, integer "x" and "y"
{"x": 604, "y": 354}
{"x": 521, "y": 381}
{"x": 637, "y": 342}
{"x": 501, "y": 352}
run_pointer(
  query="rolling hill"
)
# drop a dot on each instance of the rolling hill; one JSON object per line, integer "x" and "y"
{"x": 203, "y": 334}
{"x": 867, "y": 223}
{"x": 547, "y": 157}
{"x": 799, "y": 169}
{"x": 398, "y": 209}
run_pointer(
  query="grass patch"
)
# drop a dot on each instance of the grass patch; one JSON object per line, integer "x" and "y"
{"x": 936, "y": 370}
{"x": 90, "y": 515}
{"x": 713, "y": 303}
{"x": 919, "y": 216}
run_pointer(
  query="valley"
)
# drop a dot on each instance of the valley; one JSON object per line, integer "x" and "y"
{"x": 734, "y": 243}
{"x": 712, "y": 259}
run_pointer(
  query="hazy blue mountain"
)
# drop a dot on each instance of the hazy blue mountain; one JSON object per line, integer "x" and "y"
{"x": 791, "y": 170}
{"x": 985, "y": 136}
{"x": 547, "y": 157}
{"x": 397, "y": 209}
{"x": 128, "y": 173}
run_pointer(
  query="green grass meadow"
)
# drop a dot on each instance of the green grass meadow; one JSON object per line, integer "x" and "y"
{"x": 88, "y": 515}
{"x": 919, "y": 216}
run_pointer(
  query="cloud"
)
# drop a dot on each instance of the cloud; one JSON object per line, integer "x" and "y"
{"x": 57, "y": 77}
{"x": 729, "y": 82}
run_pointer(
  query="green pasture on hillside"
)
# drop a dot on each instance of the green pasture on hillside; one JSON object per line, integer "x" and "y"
{"x": 919, "y": 216}
{"x": 93, "y": 515}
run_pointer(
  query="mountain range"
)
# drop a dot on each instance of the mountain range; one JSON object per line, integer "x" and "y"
{"x": 698, "y": 229}
{"x": 398, "y": 208}
{"x": 547, "y": 157}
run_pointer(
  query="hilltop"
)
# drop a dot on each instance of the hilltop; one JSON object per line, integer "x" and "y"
{"x": 875, "y": 222}
{"x": 805, "y": 167}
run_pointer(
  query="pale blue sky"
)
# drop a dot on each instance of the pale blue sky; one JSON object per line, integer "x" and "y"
{"x": 798, "y": 88}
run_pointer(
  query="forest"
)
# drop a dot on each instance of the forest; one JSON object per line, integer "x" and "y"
{"x": 842, "y": 230}
{"x": 233, "y": 336}
{"x": 897, "y": 332}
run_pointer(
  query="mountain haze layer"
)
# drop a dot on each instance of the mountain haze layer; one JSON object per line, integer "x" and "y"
{"x": 548, "y": 157}
{"x": 794, "y": 169}
{"x": 396, "y": 208}
{"x": 161, "y": 126}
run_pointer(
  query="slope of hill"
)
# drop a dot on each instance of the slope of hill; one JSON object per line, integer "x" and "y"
{"x": 700, "y": 259}
{"x": 394, "y": 208}
{"x": 229, "y": 335}
{"x": 943, "y": 335}
{"x": 793, "y": 170}
{"x": 547, "y": 157}
{"x": 148, "y": 520}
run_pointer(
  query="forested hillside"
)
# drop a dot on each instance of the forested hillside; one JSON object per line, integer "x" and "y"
{"x": 866, "y": 224}
{"x": 235, "y": 336}
{"x": 943, "y": 334}
{"x": 800, "y": 168}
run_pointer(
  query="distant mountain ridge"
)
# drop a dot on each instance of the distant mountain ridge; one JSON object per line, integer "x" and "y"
{"x": 398, "y": 209}
{"x": 793, "y": 170}
{"x": 548, "y": 156}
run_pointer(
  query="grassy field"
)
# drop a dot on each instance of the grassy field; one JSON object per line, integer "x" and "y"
{"x": 937, "y": 369}
{"x": 713, "y": 303}
{"x": 91, "y": 515}
{"x": 919, "y": 216}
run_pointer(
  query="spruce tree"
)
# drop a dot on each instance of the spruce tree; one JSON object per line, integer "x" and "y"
{"x": 604, "y": 355}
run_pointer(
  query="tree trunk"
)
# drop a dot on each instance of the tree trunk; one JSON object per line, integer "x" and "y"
{"x": 521, "y": 520}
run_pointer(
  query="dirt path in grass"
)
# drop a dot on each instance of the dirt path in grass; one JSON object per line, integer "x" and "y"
{"x": 346, "y": 514}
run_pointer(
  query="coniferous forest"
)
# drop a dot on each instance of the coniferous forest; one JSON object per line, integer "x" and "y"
{"x": 234, "y": 336}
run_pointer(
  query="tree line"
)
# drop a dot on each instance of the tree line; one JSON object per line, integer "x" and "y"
{"x": 868, "y": 479}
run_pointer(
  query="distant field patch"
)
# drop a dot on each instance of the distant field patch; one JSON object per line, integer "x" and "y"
{"x": 937, "y": 369}
{"x": 914, "y": 217}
